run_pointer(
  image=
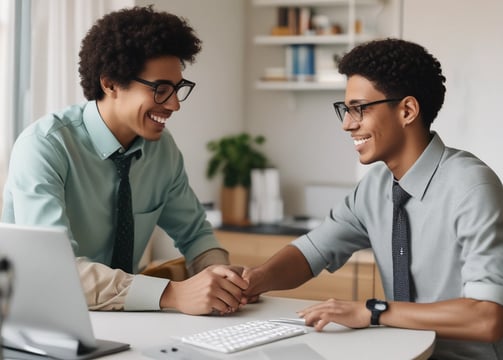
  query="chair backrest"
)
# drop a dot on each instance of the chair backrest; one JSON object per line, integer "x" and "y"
{"x": 172, "y": 269}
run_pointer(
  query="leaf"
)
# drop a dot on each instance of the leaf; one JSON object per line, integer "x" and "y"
{"x": 235, "y": 156}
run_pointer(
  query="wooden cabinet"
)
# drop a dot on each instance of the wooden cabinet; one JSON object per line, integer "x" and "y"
{"x": 359, "y": 279}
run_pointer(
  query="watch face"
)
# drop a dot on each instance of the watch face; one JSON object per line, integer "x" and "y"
{"x": 380, "y": 306}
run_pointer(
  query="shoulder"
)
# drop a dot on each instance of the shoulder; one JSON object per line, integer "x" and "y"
{"x": 48, "y": 137}
{"x": 463, "y": 169}
{"x": 53, "y": 125}
{"x": 466, "y": 182}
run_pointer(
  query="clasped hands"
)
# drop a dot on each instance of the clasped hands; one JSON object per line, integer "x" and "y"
{"x": 223, "y": 289}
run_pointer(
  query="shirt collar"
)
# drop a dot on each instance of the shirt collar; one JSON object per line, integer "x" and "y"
{"x": 417, "y": 178}
{"x": 102, "y": 138}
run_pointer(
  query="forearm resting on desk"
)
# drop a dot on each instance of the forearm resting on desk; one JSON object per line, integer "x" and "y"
{"x": 108, "y": 289}
{"x": 461, "y": 319}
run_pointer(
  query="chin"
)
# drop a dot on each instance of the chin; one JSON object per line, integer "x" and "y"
{"x": 366, "y": 161}
{"x": 152, "y": 137}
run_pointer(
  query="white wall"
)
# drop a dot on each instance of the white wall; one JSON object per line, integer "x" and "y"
{"x": 466, "y": 37}
{"x": 215, "y": 107}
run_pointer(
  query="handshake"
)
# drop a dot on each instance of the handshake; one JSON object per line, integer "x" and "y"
{"x": 220, "y": 289}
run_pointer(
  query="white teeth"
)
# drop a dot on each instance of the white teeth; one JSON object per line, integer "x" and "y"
{"x": 360, "y": 141}
{"x": 156, "y": 118}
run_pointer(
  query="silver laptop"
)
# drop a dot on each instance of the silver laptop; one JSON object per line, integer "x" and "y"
{"x": 48, "y": 314}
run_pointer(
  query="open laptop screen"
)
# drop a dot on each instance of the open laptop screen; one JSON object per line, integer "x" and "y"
{"x": 47, "y": 313}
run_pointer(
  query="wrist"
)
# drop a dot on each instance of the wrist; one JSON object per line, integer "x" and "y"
{"x": 168, "y": 297}
{"x": 376, "y": 308}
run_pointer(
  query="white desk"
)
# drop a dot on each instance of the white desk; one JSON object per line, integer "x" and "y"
{"x": 151, "y": 329}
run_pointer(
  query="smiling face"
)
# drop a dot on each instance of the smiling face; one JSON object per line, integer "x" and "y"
{"x": 131, "y": 112}
{"x": 381, "y": 134}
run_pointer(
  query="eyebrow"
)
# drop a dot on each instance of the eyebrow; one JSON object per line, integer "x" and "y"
{"x": 163, "y": 81}
{"x": 357, "y": 102}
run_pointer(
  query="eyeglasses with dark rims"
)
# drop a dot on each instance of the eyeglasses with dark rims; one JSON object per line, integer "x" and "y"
{"x": 356, "y": 111}
{"x": 164, "y": 89}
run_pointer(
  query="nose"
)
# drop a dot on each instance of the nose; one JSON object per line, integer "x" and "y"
{"x": 348, "y": 123}
{"x": 172, "y": 103}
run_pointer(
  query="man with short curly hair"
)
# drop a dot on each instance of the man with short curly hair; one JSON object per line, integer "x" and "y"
{"x": 63, "y": 172}
{"x": 453, "y": 281}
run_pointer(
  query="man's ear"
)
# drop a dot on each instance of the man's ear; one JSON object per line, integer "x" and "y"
{"x": 108, "y": 86}
{"x": 410, "y": 110}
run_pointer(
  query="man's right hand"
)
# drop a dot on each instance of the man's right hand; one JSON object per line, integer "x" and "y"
{"x": 217, "y": 288}
{"x": 254, "y": 277}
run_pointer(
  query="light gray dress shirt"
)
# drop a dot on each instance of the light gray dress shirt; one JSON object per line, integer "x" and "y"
{"x": 456, "y": 223}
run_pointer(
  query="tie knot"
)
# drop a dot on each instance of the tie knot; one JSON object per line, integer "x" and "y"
{"x": 122, "y": 163}
{"x": 400, "y": 196}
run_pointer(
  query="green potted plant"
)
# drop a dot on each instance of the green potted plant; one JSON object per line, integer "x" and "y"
{"x": 234, "y": 157}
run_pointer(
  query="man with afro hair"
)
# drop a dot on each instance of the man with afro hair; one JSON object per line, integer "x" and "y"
{"x": 63, "y": 172}
{"x": 453, "y": 279}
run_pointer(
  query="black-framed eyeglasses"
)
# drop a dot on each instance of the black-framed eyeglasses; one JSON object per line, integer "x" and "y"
{"x": 356, "y": 111}
{"x": 163, "y": 89}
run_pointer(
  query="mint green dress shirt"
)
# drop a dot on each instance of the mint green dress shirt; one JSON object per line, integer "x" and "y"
{"x": 456, "y": 224}
{"x": 60, "y": 174}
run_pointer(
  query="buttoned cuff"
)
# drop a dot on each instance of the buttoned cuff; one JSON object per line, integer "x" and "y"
{"x": 145, "y": 293}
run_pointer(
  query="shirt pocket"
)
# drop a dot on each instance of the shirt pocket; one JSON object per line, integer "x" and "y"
{"x": 144, "y": 224}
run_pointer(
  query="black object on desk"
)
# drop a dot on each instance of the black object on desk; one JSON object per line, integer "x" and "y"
{"x": 266, "y": 229}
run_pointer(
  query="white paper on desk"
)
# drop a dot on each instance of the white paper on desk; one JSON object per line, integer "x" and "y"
{"x": 298, "y": 351}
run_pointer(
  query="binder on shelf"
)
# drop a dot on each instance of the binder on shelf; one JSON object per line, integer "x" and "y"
{"x": 301, "y": 61}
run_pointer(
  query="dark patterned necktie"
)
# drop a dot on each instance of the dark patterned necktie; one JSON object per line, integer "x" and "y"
{"x": 122, "y": 256}
{"x": 400, "y": 245}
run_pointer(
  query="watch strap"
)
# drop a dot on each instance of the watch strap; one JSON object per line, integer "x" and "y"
{"x": 374, "y": 317}
{"x": 375, "y": 312}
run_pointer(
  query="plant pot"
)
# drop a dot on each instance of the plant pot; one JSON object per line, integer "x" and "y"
{"x": 234, "y": 205}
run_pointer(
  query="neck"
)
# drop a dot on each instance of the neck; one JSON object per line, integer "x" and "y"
{"x": 111, "y": 120}
{"x": 413, "y": 149}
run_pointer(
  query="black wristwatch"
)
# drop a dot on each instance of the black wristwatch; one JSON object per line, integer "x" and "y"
{"x": 376, "y": 307}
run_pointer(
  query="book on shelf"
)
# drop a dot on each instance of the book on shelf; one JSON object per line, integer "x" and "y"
{"x": 300, "y": 65}
{"x": 293, "y": 20}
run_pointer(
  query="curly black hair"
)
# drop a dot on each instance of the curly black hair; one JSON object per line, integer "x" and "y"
{"x": 120, "y": 43}
{"x": 399, "y": 68}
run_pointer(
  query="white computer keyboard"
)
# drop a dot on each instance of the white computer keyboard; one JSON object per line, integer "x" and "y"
{"x": 243, "y": 336}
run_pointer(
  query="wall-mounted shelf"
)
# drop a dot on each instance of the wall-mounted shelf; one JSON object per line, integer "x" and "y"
{"x": 342, "y": 39}
{"x": 312, "y": 2}
{"x": 300, "y": 85}
{"x": 310, "y": 45}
